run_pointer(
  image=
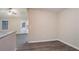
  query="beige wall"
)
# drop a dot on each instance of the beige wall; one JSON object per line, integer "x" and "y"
{"x": 42, "y": 25}
{"x": 14, "y": 24}
{"x": 69, "y": 26}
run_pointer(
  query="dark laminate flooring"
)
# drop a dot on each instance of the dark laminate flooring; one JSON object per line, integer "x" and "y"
{"x": 46, "y": 46}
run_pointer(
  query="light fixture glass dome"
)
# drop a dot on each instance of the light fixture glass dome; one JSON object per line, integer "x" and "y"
{"x": 12, "y": 11}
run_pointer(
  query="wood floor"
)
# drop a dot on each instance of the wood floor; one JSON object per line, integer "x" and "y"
{"x": 46, "y": 46}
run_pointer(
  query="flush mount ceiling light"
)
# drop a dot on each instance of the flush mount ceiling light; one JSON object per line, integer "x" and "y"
{"x": 12, "y": 11}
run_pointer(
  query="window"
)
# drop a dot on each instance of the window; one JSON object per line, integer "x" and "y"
{"x": 4, "y": 25}
{"x": 23, "y": 25}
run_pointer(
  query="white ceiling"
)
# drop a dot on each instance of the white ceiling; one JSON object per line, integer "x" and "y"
{"x": 51, "y": 9}
{"x": 48, "y": 9}
{"x": 55, "y": 9}
{"x": 22, "y": 11}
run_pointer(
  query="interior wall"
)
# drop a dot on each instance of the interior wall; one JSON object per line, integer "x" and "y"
{"x": 42, "y": 25}
{"x": 14, "y": 24}
{"x": 69, "y": 26}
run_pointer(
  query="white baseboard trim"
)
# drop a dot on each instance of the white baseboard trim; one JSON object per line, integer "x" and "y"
{"x": 68, "y": 44}
{"x": 42, "y": 41}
